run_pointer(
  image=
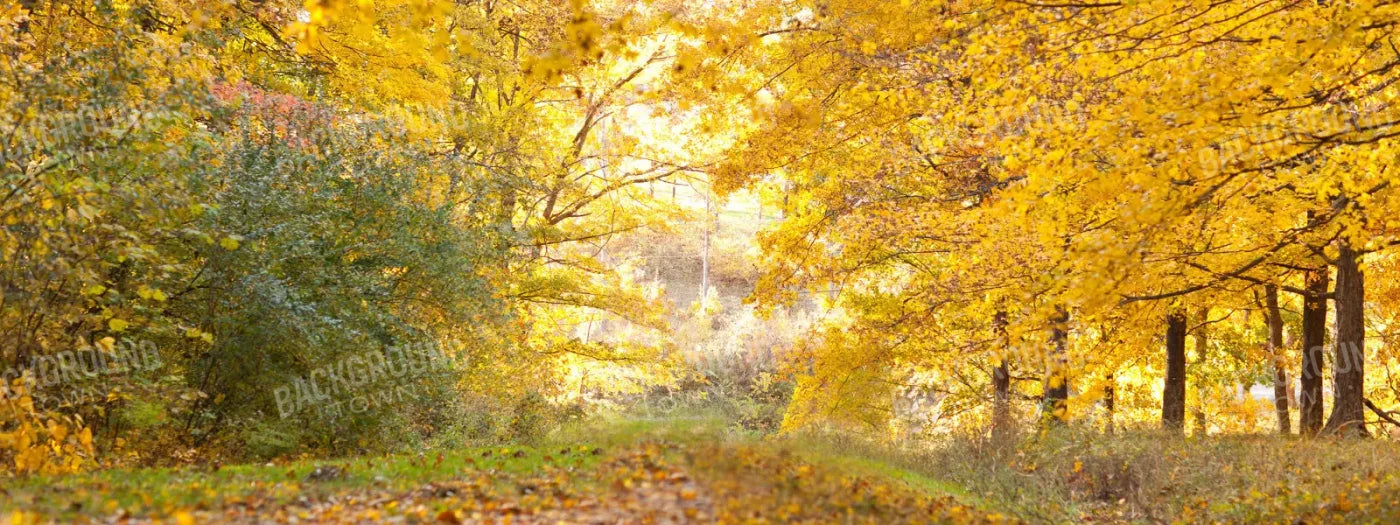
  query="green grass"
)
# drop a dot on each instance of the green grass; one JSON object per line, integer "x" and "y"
{"x": 1075, "y": 474}
{"x": 860, "y": 456}
{"x": 581, "y": 447}
{"x": 618, "y": 430}
{"x": 1067, "y": 476}
{"x": 859, "y": 464}
{"x": 159, "y": 491}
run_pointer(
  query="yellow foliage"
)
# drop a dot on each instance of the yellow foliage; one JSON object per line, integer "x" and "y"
{"x": 33, "y": 441}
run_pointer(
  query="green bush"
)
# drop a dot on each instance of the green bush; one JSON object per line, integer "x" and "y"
{"x": 340, "y": 263}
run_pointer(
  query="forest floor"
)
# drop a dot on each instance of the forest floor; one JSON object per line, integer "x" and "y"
{"x": 697, "y": 471}
{"x": 635, "y": 472}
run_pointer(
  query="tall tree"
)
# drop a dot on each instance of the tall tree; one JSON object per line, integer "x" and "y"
{"x": 1001, "y": 379}
{"x": 1310, "y": 410}
{"x": 1349, "y": 360}
{"x": 1174, "y": 385}
{"x": 1057, "y": 368}
{"x": 1274, "y": 318}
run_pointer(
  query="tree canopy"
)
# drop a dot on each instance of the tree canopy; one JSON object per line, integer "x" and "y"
{"x": 1124, "y": 213}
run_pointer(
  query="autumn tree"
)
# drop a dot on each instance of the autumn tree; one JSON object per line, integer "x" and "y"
{"x": 1130, "y": 153}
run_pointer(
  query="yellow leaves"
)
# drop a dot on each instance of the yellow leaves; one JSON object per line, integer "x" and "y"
{"x": 315, "y": 15}
{"x": 85, "y": 438}
{"x": 584, "y": 33}
{"x": 584, "y": 42}
{"x": 117, "y": 325}
{"x": 230, "y": 242}
{"x": 687, "y": 60}
{"x": 41, "y": 442}
{"x": 195, "y": 333}
{"x": 548, "y": 67}
{"x": 155, "y": 294}
{"x": 1102, "y": 158}
{"x": 1012, "y": 163}
{"x": 57, "y": 430}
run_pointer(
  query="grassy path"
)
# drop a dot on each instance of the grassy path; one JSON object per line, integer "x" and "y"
{"x": 630, "y": 472}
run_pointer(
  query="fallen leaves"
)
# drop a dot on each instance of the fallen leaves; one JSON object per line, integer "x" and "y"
{"x": 647, "y": 482}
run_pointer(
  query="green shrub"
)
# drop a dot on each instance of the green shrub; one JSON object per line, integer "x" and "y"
{"x": 143, "y": 414}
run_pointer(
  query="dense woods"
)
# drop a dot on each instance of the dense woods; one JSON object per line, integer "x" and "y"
{"x": 264, "y": 230}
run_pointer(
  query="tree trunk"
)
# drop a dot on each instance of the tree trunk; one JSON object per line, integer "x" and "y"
{"x": 1057, "y": 376}
{"x": 1275, "y": 318}
{"x": 705, "y": 257}
{"x": 1109, "y": 393}
{"x": 1349, "y": 366}
{"x": 1174, "y": 388}
{"x": 1314, "y": 337}
{"x": 1202, "y": 333}
{"x": 1001, "y": 381}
